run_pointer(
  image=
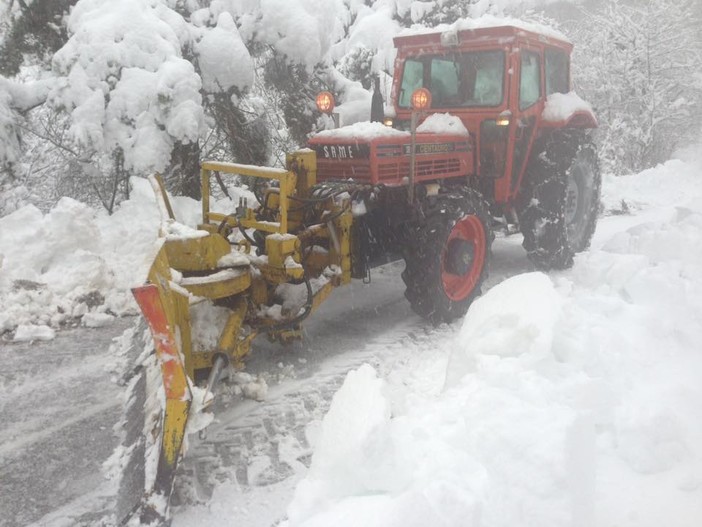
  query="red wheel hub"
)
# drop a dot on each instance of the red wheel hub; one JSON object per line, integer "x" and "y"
{"x": 463, "y": 258}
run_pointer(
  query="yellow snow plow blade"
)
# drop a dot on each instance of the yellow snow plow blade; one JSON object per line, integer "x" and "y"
{"x": 215, "y": 265}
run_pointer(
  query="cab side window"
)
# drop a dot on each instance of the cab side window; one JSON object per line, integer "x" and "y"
{"x": 556, "y": 71}
{"x": 530, "y": 79}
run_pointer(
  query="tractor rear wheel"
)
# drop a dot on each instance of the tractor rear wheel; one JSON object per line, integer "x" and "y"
{"x": 559, "y": 203}
{"x": 449, "y": 256}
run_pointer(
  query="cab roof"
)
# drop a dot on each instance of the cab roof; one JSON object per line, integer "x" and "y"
{"x": 457, "y": 36}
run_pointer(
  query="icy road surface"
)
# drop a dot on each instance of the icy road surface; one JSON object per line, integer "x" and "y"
{"x": 57, "y": 408}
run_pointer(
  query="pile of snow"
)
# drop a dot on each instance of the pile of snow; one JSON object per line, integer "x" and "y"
{"x": 75, "y": 263}
{"x": 442, "y": 123}
{"x": 569, "y": 400}
{"x": 662, "y": 186}
{"x": 561, "y": 106}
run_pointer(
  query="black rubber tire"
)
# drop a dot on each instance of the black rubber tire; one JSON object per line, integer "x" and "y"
{"x": 560, "y": 200}
{"x": 447, "y": 218}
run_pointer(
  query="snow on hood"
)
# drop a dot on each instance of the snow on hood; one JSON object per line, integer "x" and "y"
{"x": 362, "y": 131}
{"x": 442, "y": 123}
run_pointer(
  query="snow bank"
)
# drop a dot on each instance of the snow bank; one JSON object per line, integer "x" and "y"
{"x": 61, "y": 249}
{"x": 666, "y": 185}
{"x": 74, "y": 263}
{"x": 570, "y": 400}
{"x": 499, "y": 447}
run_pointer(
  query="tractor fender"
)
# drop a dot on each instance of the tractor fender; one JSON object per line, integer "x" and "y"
{"x": 582, "y": 119}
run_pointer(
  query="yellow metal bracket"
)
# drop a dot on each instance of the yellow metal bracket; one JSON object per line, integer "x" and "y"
{"x": 286, "y": 179}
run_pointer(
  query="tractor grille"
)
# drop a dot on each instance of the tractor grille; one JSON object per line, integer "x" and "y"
{"x": 387, "y": 161}
{"x": 358, "y": 170}
{"x": 431, "y": 168}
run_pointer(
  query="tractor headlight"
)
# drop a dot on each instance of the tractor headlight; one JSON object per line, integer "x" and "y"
{"x": 325, "y": 102}
{"x": 504, "y": 118}
{"x": 388, "y": 122}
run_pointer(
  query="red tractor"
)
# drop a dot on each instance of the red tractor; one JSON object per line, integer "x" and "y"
{"x": 506, "y": 142}
{"x": 524, "y": 156}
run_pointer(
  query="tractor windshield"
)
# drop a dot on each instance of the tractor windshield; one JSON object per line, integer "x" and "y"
{"x": 458, "y": 80}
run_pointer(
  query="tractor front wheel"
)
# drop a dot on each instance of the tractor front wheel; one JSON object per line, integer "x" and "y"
{"x": 449, "y": 256}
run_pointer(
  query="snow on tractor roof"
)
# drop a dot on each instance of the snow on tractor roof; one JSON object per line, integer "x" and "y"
{"x": 486, "y": 22}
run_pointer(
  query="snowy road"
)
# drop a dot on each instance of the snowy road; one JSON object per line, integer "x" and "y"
{"x": 255, "y": 453}
{"x": 59, "y": 404}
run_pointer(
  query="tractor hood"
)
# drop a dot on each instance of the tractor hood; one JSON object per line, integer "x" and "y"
{"x": 375, "y": 153}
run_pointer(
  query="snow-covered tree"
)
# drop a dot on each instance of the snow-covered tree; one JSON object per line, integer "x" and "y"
{"x": 158, "y": 85}
{"x": 638, "y": 62}
{"x": 33, "y": 31}
{"x": 15, "y": 100}
{"x": 125, "y": 84}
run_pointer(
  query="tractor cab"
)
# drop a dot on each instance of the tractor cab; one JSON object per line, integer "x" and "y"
{"x": 496, "y": 80}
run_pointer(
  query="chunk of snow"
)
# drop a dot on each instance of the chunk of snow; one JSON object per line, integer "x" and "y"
{"x": 219, "y": 276}
{"x": 234, "y": 259}
{"x": 96, "y": 320}
{"x": 175, "y": 231}
{"x": 29, "y": 332}
{"x": 251, "y": 387}
{"x": 257, "y": 390}
{"x": 561, "y": 106}
{"x": 442, "y": 123}
{"x": 352, "y": 448}
{"x": 516, "y": 319}
{"x": 206, "y": 321}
